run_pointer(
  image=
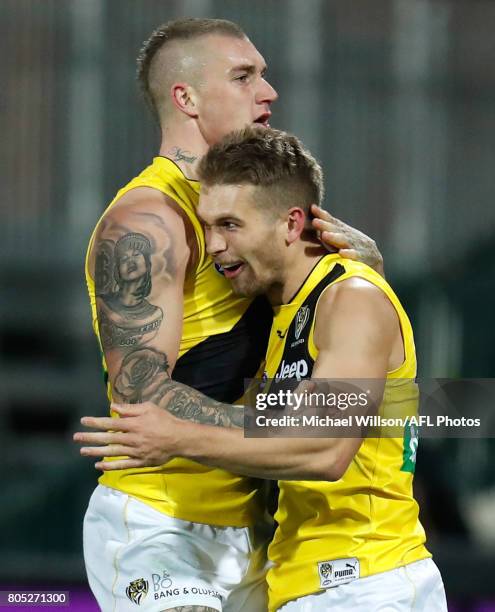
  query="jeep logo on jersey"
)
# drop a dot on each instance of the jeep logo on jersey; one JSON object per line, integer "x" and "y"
{"x": 137, "y": 590}
{"x": 297, "y": 369}
{"x": 302, "y": 317}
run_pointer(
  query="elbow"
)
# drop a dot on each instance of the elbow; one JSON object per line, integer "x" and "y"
{"x": 334, "y": 467}
{"x": 337, "y": 470}
{"x": 328, "y": 473}
{"x": 318, "y": 468}
{"x": 338, "y": 458}
{"x": 330, "y": 463}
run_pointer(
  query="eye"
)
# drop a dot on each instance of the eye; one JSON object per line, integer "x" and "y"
{"x": 243, "y": 78}
{"x": 229, "y": 225}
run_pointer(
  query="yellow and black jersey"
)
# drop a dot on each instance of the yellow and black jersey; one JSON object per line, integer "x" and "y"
{"x": 223, "y": 341}
{"x": 367, "y": 522}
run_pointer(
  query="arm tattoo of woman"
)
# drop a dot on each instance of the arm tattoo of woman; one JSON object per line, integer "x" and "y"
{"x": 123, "y": 282}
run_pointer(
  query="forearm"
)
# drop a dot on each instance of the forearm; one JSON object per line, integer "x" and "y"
{"x": 225, "y": 446}
{"x": 272, "y": 458}
{"x": 188, "y": 404}
{"x": 151, "y": 434}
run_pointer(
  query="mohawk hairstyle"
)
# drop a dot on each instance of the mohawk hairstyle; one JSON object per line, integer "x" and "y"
{"x": 177, "y": 30}
{"x": 268, "y": 158}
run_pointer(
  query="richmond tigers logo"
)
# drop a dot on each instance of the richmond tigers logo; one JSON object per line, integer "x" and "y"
{"x": 338, "y": 571}
{"x": 137, "y": 590}
{"x": 302, "y": 317}
{"x": 326, "y": 570}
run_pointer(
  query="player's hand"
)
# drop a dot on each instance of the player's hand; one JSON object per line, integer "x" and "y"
{"x": 348, "y": 241}
{"x": 146, "y": 436}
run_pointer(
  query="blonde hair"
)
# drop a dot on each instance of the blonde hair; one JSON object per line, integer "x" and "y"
{"x": 179, "y": 30}
{"x": 268, "y": 158}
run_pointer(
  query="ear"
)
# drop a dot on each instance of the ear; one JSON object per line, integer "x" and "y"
{"x": 296, "y": 218}
{"x": 184, "y": 98}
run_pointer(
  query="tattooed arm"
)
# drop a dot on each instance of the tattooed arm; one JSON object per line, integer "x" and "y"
{"x": 349, "y": 242}
{"x": 151, "y": 436}
{"x": 358, "y": 336}
{"x": 191, "y": 405}
{"x": 139, "y": 260}
{"x": 188, "y": 404}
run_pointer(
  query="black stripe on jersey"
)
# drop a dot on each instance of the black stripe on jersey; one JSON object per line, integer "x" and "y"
{"x": 218, "y": 366}
{"x": 301, "y": 350}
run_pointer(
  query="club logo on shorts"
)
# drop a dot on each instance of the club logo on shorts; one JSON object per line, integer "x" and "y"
{"x": 137, "y": 590}
{"x": 338, "y": 571}
{"x": 302, "y": 317}
{"x": 325, "y": 570}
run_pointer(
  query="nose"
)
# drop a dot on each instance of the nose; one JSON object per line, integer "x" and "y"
{"x": 266, "y": 93}
{"x": 215, "y": 242}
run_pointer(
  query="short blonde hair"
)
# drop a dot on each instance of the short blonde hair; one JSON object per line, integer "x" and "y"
{"x": 267, "y": 158}
{"x": 179, "y": 30}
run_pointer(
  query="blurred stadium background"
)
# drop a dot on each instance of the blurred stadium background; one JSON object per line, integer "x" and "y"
{"x": 397, "y": 100}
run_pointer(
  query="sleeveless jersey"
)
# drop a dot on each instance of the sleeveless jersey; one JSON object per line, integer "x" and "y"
{"x": 223, "y": 340}
{"x": 367, "y": 522}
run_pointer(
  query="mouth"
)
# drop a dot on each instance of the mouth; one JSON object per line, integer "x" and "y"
{"x": 263, "y": 119}
{"x": 231, "y": 270}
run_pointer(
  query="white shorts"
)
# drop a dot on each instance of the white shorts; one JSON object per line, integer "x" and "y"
{"x": 416, "y": 587}
{"x": 137, "y": 555}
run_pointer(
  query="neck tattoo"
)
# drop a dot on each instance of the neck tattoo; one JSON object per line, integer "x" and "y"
{"x": 181, "y": 155}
